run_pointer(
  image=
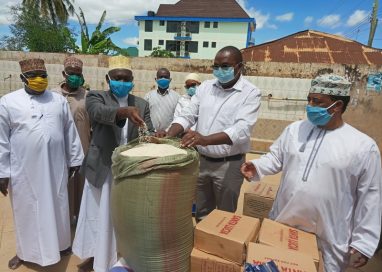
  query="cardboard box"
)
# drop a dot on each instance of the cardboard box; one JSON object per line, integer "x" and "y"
{"x": 258, "y": 199}
{"x": 226, "y": 235}
{"x": 286, "y": 260}
{"x": 321, "y": 265}
{"x": 281, "y": 236}
{"x": 204, "y": 262}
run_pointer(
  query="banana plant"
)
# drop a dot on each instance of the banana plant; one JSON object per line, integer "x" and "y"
{"x": 99, "y": 41}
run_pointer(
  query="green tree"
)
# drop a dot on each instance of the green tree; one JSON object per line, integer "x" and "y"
{"x": 123, "y": 52}
{"x": 99, "y": 41}
{"x": 57, "y": 10}
{"x": 31, "y": 31}
{"x": 161, "y": 53}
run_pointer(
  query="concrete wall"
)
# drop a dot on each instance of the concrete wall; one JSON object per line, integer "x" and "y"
{"x": 287, "y": 81}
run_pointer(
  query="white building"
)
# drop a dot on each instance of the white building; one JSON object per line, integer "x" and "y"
{"x": 195, "y": 28}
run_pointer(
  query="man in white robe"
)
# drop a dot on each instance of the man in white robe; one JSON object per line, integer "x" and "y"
{"x": 331, "y": 178}
{"x": 39, "y": 147}
{"x": 192, "y": 81}
{"x": 115, "y": 115}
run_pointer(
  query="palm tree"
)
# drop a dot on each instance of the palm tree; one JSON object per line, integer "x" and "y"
{"x": 99, "y": 41}
{"x": 57, "y": 10}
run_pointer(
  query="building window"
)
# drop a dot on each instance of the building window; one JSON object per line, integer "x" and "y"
{"x": 205, "y": 44}
{"x": 192, "y": 27}
{"x": 192, "y": 46}
{"x": 148, "y": 26}
{"x": 213, "y": 44}
{"x": 161, "y": 42}
{"x": 216, "y": 24}
{"x": 173, "y": 26}
{"x": 206, "y": 24}
{"x": 148, "y": 46}
{"x": 172, "y": 46}
{"x": 161, "y": 23}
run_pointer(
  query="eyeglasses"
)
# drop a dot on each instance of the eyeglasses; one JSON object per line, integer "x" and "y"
{"x": 224, "y": 66}
{"x": 31, "y": 75}
{"x": 189, "y": 86}
{"x": 72, "y": 74}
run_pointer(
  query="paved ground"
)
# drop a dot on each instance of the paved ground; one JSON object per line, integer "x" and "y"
{"x": 69, "y": 264}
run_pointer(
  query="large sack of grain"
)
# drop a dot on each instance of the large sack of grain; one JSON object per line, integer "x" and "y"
{"x": 151, "y": 204}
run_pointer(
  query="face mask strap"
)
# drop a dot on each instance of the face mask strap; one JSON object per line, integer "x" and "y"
{"x": 26, "y": 79}
{"x": 335, "y": 102}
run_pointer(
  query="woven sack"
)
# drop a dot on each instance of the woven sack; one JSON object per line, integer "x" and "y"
{"x": 151, "y": 206}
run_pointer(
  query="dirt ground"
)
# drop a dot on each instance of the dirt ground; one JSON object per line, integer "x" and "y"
{"x": 69, "y": 263}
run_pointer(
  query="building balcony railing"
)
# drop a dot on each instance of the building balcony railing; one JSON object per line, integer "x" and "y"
{"x": 186, "y": 55}
{"x": 183, "y": 36}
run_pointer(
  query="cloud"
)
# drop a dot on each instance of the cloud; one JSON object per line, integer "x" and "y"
{"x": 331, "y": 21}
{"x": 133, "y": 41}
{"x": 308, "y": 20}
{"x": 262, "y": 20}
{"x": 117, "y": 12}
{"x": 4, "y": 21}
{"x": 5, "y": 16}
{"x": 123, "y": 12}
{"x": 357, "y": 17}
{"x": 285, "y": 17}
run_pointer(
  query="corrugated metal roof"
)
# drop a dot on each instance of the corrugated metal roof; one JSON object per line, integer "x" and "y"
{"x": 311, "y": 46}
{"x": 203, "y": 8}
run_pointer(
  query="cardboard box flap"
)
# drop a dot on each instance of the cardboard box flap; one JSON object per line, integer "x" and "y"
{"x": 203, "y": 255}
{"x": 282, "y": 236}
{"x": 204, "y": 262}
{"x": 226, "y": 235}
{"x": 286, "y": 260}
{"x": 235, "y": 227}
{"x": 262, "y": 189}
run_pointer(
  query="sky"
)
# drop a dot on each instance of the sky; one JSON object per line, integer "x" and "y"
{"x": 275, "y": 18}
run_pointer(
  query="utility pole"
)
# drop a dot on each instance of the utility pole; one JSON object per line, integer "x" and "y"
{"x": 373, "y": 22}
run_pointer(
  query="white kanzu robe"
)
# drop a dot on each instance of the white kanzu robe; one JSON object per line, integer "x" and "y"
{"x": 95, "y": 235}
{"x": 330, "y": 186}
{"x": 38, "y": 144}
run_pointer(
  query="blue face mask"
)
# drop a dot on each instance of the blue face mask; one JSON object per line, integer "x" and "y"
{"x": 120, "y": 88}
{"x": 224, "y": 75}
{"x": 319, "y": 116}
{"x": 163, "y": 83}
{"x": 191, "y": 91}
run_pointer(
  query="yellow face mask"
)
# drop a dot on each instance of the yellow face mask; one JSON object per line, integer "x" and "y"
{"x": 38, "y": 84}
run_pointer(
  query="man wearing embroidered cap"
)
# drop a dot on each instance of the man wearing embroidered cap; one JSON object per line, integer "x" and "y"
{"x": 115, "y": 115}
{"x": 39, "y": 148}
{"x": 331, "y": 182}
{"x": 192, "y": 81}
{"x": 75, "y": 94}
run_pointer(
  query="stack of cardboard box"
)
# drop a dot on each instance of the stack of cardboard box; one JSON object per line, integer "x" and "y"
{"x": 258, "y": 201}
{"x": 281, "y": 236}
{"x": 221, "y": 242}
{"x": 224, "y": 241}
{"x": 290, "y": 248}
